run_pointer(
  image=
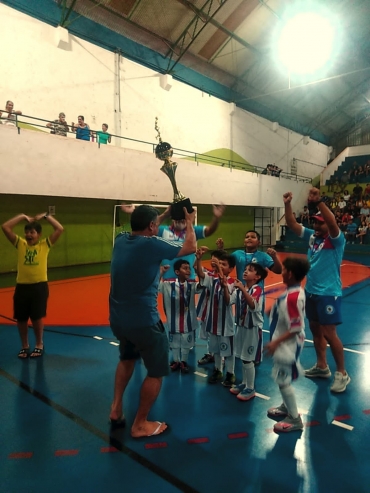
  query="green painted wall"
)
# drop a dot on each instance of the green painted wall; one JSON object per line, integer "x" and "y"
{"x": 88, "y": 223}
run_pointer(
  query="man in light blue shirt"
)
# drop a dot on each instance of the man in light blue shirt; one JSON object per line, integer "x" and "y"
{"x": 324, "y": 287}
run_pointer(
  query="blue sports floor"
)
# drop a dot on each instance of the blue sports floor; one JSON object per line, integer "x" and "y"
{"x": 55, "y": 435}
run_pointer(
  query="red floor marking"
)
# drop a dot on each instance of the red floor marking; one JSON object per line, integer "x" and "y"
{"x": 198, "y": 440}
{"x": 367, "y": 411}
{"x": 156, "y": 445}
{"x": 105, "y": 450}
{"x": 20, "y": 455}
{"x": 342, "y": 418}
{"x": 62, "y": 453}
{"x": 312, "y": 423}
{"x": 242, "y": 434}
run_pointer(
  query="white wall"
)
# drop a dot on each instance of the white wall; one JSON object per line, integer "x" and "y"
{"x": 36, "y": 163}
{"x": 43, "y": 80}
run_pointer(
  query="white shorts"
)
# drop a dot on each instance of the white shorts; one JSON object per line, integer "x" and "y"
{"x": 203, "y": 334}
{"x": 182, "y": 341}
{"x": 246, "y": 343}
{"x": 222, "y": 345}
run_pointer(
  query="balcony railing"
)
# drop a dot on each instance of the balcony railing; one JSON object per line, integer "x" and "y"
{"x": 35, "y": 123}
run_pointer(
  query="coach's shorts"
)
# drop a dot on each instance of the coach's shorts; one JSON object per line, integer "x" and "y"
{"x": 30, "y": 301}
{"x": 148, "y": 343}
{"x": 326, "y": 310}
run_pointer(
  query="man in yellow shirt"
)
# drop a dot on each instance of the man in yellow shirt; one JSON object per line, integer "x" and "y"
{"x": 31, "y": 291}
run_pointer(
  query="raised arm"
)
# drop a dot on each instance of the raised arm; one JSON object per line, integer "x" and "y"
{"x": 8, "y": 226}
{"x": 198, "y": 267}
{"x": 277, "y": 267}
{"x": 58, "y": 228}
{"x": 190, "y": 243}
{"x": 290, "y": 219}
{"x": 314, "y": 199}
{"x": 218, "y": 211}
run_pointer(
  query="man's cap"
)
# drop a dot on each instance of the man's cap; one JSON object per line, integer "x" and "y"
{"x": 318, "y": 217}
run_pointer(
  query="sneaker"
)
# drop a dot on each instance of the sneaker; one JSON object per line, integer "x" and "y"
{"x": 184, "y": 368}
{"x": 316, "y": 372}
{"x": 340, "y": 382}
{"x": 246, "y": 394}
{"x": 276, "y": 412}
{"x": 175, "y": 365}
{"x": 289, "y": 424}
{"x": 207, "y": 358}
{"x": 229, "y": 380}
{"x": 236, "y": 389}
{"x": 216, "y": 376}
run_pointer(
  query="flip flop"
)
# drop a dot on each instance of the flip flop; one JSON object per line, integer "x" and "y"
{"x": 25, "y": 351}
{"x": 118, "y": 423}
{"x": 155, "y": 432}
{"x": 37, "y": 352}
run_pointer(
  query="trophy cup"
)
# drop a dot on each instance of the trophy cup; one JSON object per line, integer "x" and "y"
{"x": 164, "y": 152}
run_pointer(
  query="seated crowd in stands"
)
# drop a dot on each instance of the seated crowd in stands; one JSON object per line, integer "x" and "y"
{"x": 272, "y": 170}
{"x": 60, "y": 126}
{"x": 351, "y": 211}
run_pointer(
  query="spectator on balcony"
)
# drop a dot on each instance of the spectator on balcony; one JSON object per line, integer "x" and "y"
{"x": 82, "y": 129}
{"x": 59, "y": 126}
{"x": 103, "y": 137}
{"x": 276, "y": 170}
{"x": 9, "y": 117}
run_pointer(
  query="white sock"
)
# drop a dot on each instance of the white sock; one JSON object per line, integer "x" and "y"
{"x": 184, "y": 354}
{"x": 289, "y": 400}
{"x": 176, "y": 354}
{"x": 218, "y": 361}
{"x": 249, "y": 374}
{"x": 230, "y": 364}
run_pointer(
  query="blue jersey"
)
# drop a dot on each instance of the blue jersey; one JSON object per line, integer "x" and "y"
{"x": 325, "y": 255}
{"x": 244, "y": 258}
{"x": 169, "y": 233}
{"x": 135, "y": 277}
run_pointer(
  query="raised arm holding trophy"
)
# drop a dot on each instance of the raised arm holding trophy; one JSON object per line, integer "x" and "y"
{"x": 164, "y": 152}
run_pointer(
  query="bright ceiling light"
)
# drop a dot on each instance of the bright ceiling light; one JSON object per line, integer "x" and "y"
{"x": 306, "y": 42}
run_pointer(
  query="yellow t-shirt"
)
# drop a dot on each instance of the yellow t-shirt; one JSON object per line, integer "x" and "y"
{"x": 32, "y": 261}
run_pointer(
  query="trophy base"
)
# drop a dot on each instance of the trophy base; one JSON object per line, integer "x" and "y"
{"x": 177, "y": 212}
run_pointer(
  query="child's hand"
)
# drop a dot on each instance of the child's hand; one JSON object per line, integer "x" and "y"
{"x": 199, "y": 253}
{"x": 223, "y": 280}
{"x": 271, "y": 252}
{"x": 270, "y": 348}
{"x": 128, "y": 208}
{"x": 238, "y": 284}
{"x": 163, "y": 269}
{"x": 220, "y": 243}
{"x": 204, "y": 249}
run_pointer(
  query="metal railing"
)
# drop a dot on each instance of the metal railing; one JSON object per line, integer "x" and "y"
{"x": 32, "y": 121}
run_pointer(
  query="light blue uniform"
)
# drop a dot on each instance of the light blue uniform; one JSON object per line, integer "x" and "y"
{"x": 169, "y": 233}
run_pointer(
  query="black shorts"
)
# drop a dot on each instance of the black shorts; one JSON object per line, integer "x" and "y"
{"x": 148, "y": 343}
{"x": 30, "y": 301}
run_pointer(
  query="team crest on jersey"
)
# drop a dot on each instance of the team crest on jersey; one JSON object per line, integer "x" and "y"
{"x": 224, "y": 346}
{"x": 329, "y": 309}
{"x": 251, "y": 350}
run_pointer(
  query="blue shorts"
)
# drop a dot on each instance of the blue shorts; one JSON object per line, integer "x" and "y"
{"x": 148, "y": 343}
{"x": 326, "y": 310}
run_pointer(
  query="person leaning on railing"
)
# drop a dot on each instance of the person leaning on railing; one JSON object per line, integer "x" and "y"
{"x": 11, "y": 118}
{"x": 60, "y": 126}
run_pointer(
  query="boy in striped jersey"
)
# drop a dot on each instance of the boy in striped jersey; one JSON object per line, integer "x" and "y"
{"x": 287, "y": 338}
{"x": 202, "y": 305}
{"x": 179, "y": 307}
{"x": 219, "y": 322}
{"x": 249, "y": 322}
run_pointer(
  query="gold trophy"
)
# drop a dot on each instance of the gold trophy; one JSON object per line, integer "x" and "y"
{"x": 164, "y": 152}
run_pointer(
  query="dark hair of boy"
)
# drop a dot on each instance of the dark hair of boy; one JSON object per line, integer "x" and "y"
{"x": 255, "y": 232}
{"x": 177, "y": 265}
{"x": 229, "y": 259}
{"x": 259, "y": 270}
{"x": 299, "y": 267}
{"x": 218, "y": 253}
{"x": 33, "y": 225}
